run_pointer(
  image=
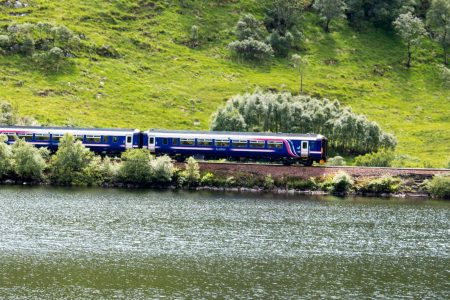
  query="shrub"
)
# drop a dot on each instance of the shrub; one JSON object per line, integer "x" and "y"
{"x": 336, "y": 161}
{"x": 69, "y": 161}
{"x": 27, "y": 161}
{"x": 439, "y": 187}
{"x": 342, "y": 183}
{"x": 269, "y": 183}
{"x": 162, "y": 169}
{"x": 251, "y": 49}
{"x": 5, "y": 41}
{"x": 5, "y": 156}
{"x": 135, "y": 167}
{"x": 248, "y": 27}
{"x": 191, "y": 173}
{"x": 382, "y": 158}
{"x": 387, "y": 184}
{"x": 280, "y": 44}
{"x": 207, "y": 179}
{"x": 301, "y": 184}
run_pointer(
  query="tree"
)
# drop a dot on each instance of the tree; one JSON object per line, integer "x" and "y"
{"x": 329, "y": 10}
{"x": 27, "y": 161}
{"x": 301, "y": 63}
{"x": 192, "y": 172}
{"x": 411, "y": 30}
{"x": 194, "y": 36}
{"x": 7, "y": 114}
{"x": 248, "y": 27}
{"x": 70, "y": 160}
{"x": 438, "y": 19}
{"x": 162, "y": 169}
{"x": 135, "y": 167}
{"x": 5, "y": 156}
{"x": 282, "y": 15}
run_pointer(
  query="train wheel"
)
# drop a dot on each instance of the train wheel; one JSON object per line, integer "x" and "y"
{"x": 307, "y": 163}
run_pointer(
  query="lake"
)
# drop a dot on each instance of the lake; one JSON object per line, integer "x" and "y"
{"x": 61, "y": 243}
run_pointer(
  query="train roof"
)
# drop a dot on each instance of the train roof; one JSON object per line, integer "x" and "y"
{"x": 73, "y": 130}
{"x": 231, "y": 134}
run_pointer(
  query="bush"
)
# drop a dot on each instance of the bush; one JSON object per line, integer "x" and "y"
{"x": 382, "y": 185}
{"x": 382, "y": 158}
{"x": 69, "y": 162}
{"x": 135, "y": 167}
{"x": 162, "y": 169}
{"x": 439, "y": 187}
{"x": 5, "y": 41}
{"x": 269, "y": 183}
{"x": 301, "y": 184}
{"x": 207, "y": 179}
{"x": 5, "y": 156}
{"x": 280, "y": 44}
{"x": 251, "y": 49}
{"x": 191, "y": 174}
{"x": 27, "y": 161}
{"x": 336, "y": 161}
{"x": 342, "y": 183}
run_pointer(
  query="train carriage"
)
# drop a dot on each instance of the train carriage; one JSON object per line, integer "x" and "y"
{"x": 285, "y": 148}
{"x": 108, "y": 141}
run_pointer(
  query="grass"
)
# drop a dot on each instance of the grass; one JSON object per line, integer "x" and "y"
{"x": 159, "y": 82}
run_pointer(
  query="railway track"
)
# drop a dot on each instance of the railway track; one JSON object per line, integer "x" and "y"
{"x": 278, "y": 170}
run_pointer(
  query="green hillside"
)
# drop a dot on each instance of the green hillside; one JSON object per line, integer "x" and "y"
{"x": 158, "y": 81}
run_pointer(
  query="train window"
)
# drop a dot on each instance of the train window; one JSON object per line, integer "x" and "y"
{"x": 105, "y": 139}
{"x": 42, "y": 137}
{"x": 274, "y": 145}
{"x": 128, "y": 139}
{"x": 26, "y": 136}
{"x": 11, "y": 136}
{"x": 165, "y": 141}
{"x": 204, "y": 143}
{"x": 239, "y": 144}
{"x": 93, "y": 139}
{"x": 187, "y": 142}
{"x": 78, "y": 137}
{"x": 257, "y": 144}
{"x": 115, "y": 139}
{"x": 56, "y": 137}
{"x": 222, "y": 143}
{"x": 151, "y": 141}
{"x": 174, "y": 141}
{"x": 304, "y": 145}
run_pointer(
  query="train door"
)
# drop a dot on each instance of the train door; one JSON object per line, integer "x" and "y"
{"x": 129, "y": 141}
{"x": 151, "y": 143}
{"x": 304, "y": 151}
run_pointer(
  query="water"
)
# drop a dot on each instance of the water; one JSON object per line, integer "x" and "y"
{"x": 105, "y": 244}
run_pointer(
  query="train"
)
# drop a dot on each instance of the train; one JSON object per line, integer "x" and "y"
{"x": 283, "y": 148}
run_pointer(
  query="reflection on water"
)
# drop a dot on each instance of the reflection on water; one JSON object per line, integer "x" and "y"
{"x": 103, "y": 244}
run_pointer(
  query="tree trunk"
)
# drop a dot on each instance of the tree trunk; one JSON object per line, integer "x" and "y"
{"x": 408, "y": 64}
{"x": 446, "y": 54}
{"x": 327, "y": 26}
{"x": 301, "y": 84}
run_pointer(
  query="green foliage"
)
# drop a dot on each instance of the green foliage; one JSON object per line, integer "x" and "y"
{"x": 162, "y": 169}
{"x": 329, "y": 10}
{"x": 382, "y": 158}
{"x": 336, "y": 161}
{"x": 251, "y": 49}
{"x": 194, "y": 36}
{"x": 283, "y": 112}
{"x": 439, "y": 187}
{"x": 281, "y": 44}
{"x": 7, "y": 114}
{"x": 302, "y": 185}
{"x": 283, "y": 15}
{"x": 27, "y": 161}
{"x": 207, "y": 179}
{"x": 269, "y": 183}
{"x": 70, "y": 161}
{"x": 191, "y": 173}
{"x": 342, "y": 183}
{"x": 250, "y": 45}
{"x": 438, "y": 19}
{"x": 411, "y": 30}
{"x": 384, "y": 185}
{"x": 5, "y": 157}
{"x": 135, "y": 167}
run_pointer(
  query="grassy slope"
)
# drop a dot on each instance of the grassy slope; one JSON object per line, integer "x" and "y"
{"x": 159, "y": 82}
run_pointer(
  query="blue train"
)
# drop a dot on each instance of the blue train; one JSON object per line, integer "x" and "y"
{"x": 284, "y": 148}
